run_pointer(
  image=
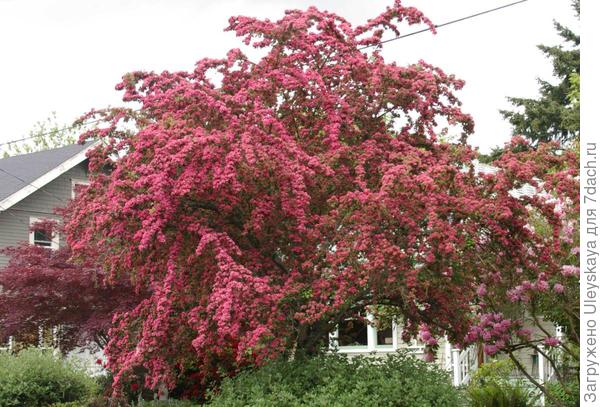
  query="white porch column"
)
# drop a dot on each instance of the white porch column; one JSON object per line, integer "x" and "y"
{"x": 541, "y": 363}
{"x": 456, "y": 367}
{"x": 541, "y": 375}
{"x": 55, "y": 337}
{"x": 371, "y": 333}
{"x": 447, "y": 353}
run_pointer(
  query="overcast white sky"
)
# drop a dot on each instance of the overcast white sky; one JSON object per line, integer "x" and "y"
{"x": 67, "y": 55}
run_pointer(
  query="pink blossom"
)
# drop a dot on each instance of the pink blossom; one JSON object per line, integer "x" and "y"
{"x": 551, "y": 341}
{"x": 568, "y": 270}
{"x": 490, "y": 350}
{"x": 529, "y": 228}
{"x": 524, "y": 333}
{"x": 542, "y": 285}
{"x": 425, "y": 334}
{"x": 516, "y": 294}
{"x": 428, "y": 356}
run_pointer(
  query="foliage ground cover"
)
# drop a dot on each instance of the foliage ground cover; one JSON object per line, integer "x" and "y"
{"x": 397, "y": 380}
{"x": 493, "y": 386}
{"x": 37, "y": 378}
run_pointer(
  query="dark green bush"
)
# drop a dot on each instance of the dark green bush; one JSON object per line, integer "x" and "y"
{"x": 167, "y": 403}
{"x": 36, "y": 378}
{"x": 491, "y": 386}
{"x": 494, "y": 395}
{"x": 397, "y": 380}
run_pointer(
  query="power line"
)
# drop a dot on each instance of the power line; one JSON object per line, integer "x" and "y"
{"x": 51, "y": 132}
{"x": 445, "y": 24}
{"x": 365, "y": 47}
{"x": 3, "y": 210}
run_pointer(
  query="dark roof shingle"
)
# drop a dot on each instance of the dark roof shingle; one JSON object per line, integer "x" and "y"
{"x": 18, "y": 171}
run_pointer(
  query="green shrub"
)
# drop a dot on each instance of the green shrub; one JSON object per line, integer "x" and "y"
{"x": 167, "y": 403}
{"x": 491, "y": 386}
{"x": 397, "y": 380}
{"x": 35, "y": 378}
{"x": 493, "y": 395}
{"x": 567, "y": 394}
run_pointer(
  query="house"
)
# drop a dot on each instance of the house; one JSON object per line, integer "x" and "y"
{"x": 32, "y": 186}
{"x": 354, "y": 337}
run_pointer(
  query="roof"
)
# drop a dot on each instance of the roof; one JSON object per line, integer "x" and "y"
{"x": 24, "y": 174}
{"x": 525, "y": 190}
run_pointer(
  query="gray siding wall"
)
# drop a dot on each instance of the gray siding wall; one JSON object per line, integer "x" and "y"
{"x": 14, "y": 222}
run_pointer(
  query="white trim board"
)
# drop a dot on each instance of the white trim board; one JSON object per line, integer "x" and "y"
{"x": 48, "y": 177}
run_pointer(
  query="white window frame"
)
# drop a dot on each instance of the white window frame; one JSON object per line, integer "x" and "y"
{"x": 54, "y": 243}
{"x": 372, "y": 345}
{"x": 78, "y": 181}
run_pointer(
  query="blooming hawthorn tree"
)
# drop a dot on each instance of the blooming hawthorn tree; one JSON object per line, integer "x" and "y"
{"x": 262, "y": 202}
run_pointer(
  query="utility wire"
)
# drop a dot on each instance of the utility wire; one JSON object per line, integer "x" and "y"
{"x": 100, "y": 120}
{"x": 444, "y": 24}
{"x": 365, "y": 47}
{"x": 51, "y": 132}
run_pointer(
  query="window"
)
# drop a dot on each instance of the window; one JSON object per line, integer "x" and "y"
{"x": 357, "y": 335}
{"x": 535, "y": 365}
{"x": 39, "y": 237}
{"x": 352, "y": 332}
{"x": 77, "y": 185}
{"x": 385, "y": 335}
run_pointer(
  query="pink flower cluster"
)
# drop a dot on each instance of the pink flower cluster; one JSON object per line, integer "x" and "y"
{"x": 426, "y": 337}
{"x": 551, "y": 341}
{"x": 494, "y": 331}
{"x": 569, "y": 270}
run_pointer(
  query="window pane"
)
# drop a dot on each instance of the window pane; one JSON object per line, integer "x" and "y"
{"x": 384, "y": 336}
{"x": 535, "y": 362}
{"x": 352, "y": 333}
{"x": 40, "y": 238}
